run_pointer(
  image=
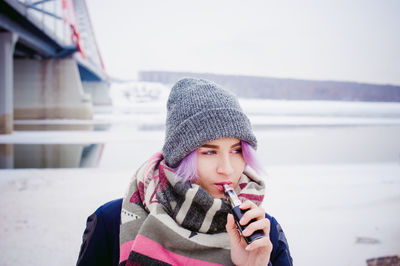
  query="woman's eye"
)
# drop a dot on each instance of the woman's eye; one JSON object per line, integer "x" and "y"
{"x": 209, "y": 152}
{"x": 239, "y": 150}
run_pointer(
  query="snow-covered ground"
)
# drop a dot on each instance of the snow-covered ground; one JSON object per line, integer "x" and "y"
{"x": 334, "y": 187}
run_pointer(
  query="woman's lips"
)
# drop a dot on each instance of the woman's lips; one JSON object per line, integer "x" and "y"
{"x": 220, "y": 186}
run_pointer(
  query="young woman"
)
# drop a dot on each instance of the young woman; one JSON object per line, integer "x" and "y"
{"x": 175, "y": 211}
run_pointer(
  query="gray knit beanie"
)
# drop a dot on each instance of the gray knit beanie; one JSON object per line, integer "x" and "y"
{"x": 200, "y": 111}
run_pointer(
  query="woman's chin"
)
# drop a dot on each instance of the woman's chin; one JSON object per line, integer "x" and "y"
{"x": 218, "y": 195}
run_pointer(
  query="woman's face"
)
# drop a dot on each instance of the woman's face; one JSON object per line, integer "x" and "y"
{"x": 219, "y": 162}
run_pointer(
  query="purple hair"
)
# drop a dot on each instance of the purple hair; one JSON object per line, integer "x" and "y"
{"x": 187, "y": 168}
{"x": 250, "y": 157}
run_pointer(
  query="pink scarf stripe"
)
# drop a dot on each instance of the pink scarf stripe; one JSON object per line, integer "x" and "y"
{"x": 154, "y": 250}
{"x": 153, "y": 160}
{"x": 252, "y": 197}
{"x": 124, "y": 250}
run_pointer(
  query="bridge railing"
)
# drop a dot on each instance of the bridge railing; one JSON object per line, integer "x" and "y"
{"x": 68, "y": 22}
{"x": 50, "y": 17}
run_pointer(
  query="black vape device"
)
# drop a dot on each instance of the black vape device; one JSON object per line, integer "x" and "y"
{"x": 238, "y": 213}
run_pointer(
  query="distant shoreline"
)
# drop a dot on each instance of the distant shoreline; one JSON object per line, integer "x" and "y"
{"x": 286, "y": 89}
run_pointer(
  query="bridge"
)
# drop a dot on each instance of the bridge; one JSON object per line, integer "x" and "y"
{"x": 50, "y": 64}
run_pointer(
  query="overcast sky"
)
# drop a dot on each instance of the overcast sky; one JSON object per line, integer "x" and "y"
{"x": 349, "y": 40}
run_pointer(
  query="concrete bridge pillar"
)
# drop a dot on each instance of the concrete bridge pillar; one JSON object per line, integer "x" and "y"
{"x": 99, "y": 91}
{"x": 7, "y": 45}
{"x": 49, "y": 89}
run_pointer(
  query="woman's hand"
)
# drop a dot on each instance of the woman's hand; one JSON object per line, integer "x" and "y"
{"x": 259, "y": 251}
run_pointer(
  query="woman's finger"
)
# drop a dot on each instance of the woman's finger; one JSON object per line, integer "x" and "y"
{"x": 263, "y": 224}
{"x": 252, "y": 214}
{"x": 257, "y": 213}
{"x": 247, "y": 204}
{"x": 263, "y": 242}
{"x": 231, "y": 229}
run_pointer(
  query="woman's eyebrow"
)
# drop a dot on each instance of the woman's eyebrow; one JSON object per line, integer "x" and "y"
{"x": 237, "y": 144}
{"x": 216, "y": 146}
{"x": 209, "y": 146}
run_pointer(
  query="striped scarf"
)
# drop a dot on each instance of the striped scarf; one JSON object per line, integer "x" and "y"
{"x": 165, "y": 221}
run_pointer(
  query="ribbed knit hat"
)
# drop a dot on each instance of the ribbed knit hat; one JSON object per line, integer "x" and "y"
{"x": 200, "y": 111}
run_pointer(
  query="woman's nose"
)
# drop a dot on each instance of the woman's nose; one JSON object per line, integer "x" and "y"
{"x": 225, "y": 166}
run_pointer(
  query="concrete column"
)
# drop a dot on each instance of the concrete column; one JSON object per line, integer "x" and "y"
{"x": 99, "y": 91}
{"x": 49, "y": 89}
{"x": 7, "y": 45}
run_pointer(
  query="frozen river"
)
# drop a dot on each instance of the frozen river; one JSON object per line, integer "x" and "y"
{"x": 288, "y": 132}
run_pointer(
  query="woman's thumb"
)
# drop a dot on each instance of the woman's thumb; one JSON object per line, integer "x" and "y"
{"x": 231, "y": 228}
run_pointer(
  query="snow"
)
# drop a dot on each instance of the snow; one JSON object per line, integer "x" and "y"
{"x": 337, "y": 214}
{"x": 333, "y": 180}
